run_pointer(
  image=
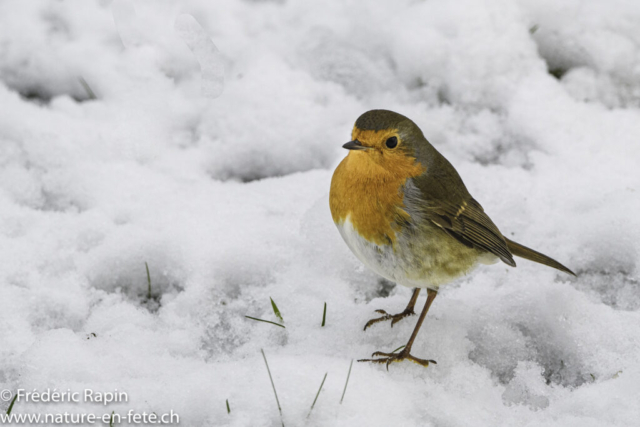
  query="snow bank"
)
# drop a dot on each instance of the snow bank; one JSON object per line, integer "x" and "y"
{"x": 226, "y": 200}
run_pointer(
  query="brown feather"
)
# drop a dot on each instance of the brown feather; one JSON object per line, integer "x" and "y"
{"x": 447, "y": 203}
{"x": 524, "y": 252}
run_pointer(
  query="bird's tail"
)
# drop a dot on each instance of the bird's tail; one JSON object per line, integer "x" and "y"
{"x": 524, "y": 252}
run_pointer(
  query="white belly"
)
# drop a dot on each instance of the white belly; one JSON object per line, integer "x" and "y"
{"x": 408, "y": 263}
{"x": 381, "y": 259}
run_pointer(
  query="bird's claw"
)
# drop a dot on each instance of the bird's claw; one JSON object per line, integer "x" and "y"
{"x": 387, "y": 358}
{"x": 395, "y": 318}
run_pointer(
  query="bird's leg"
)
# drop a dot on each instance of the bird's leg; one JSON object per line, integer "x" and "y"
{"x": 405, "y": 352}
{"x": 396, "y": 317}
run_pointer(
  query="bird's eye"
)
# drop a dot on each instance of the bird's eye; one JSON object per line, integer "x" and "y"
{"x": 392, "y": 142}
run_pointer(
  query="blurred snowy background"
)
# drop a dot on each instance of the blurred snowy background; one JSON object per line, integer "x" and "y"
{"x": 536, "y": 103}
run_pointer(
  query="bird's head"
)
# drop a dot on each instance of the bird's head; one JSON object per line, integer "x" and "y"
{"x": 386, "y": 138}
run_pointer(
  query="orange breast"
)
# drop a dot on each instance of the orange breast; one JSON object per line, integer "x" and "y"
{"x": 368, "y": 191}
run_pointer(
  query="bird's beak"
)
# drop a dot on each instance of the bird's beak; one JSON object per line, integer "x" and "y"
{"x": 354, "y": 145}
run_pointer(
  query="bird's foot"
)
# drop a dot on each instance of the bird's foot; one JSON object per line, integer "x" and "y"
{"x": 393, "y": 317}
{"x": 387, "y": 358}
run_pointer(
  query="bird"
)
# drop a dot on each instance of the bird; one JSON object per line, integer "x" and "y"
{"x": 405, "y": 213}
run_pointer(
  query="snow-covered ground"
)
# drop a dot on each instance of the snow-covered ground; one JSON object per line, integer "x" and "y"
{"x": 536, "y": 103}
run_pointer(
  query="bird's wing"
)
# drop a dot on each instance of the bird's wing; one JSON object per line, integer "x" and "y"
{"x": 462, "y": 217}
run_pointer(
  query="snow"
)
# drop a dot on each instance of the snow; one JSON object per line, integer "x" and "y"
{"x": 209, "y": 57}
{"x": 222, "y": 189}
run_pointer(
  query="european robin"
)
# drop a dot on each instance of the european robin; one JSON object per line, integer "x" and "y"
{"x": 404, "y": 211}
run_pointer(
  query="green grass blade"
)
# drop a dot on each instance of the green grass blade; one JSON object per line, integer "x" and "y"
{"x": 265, "y": 321}
{"x": 275, "y": 310}
{"x": 324, "y": 314}
{"x": 317, "y": 394}
{"x": 87, "y": 88}
{"x": 399, "y": 348}
{"x": 228, "y": 408}
{"x": 346, "y": 382}
{"x": 148, "y": 280}
{"x": 272, "y": 385}
{"x": 11, "y": 404}
{"x": 111, "y": 419}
